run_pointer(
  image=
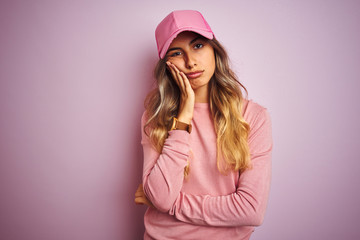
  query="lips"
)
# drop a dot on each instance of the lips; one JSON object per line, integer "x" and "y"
{"x": 194, "y": 74}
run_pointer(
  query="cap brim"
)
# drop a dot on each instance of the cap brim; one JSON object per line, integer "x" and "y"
{"x": 207, "y": 34}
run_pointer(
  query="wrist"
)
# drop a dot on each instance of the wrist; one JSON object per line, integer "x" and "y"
{"x": 179, "y": 125}
{"x": 184, "y": 119}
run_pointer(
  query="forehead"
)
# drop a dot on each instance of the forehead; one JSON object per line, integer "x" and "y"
{"x": 184, "y": 38}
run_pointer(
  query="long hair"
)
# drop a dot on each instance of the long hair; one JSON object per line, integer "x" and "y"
{"x": 225, "y": 98}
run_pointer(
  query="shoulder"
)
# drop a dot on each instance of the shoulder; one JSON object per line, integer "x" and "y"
{"x": 260, "y": 135}
{"x": 258, "y": 118}
{"x": 144, "y": 118}
{"x": 251, "y": 111}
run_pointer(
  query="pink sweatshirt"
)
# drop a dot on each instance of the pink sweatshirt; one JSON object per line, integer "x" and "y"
{"x": 206, "y": 204}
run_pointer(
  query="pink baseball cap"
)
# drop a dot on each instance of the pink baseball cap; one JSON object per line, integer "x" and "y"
{"x": 177, "y": 22}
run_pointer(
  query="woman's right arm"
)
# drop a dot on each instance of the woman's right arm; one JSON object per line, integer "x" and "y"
{"x": 163, "y": 173}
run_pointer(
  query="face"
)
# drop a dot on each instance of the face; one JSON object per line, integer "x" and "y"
{"x": 194, "y": 56}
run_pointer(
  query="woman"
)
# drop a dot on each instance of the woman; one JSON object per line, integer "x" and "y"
{"x": 207, "y": 149}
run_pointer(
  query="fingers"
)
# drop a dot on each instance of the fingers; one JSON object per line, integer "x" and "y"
{"x": 186, "y": 82}
{"x": 187, "y": 98}
{"x": 140, "y": 201}
{"x": 139, "y": 191}
{"x": 139, "y": 194}
{"x": 140, "y": 197}
{"x": 179, "y": 77}
{"x": 140, "y": 188}
{"x": 176, "y": 75}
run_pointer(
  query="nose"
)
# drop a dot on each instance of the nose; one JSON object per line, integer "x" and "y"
{"x": 190, "y": 61}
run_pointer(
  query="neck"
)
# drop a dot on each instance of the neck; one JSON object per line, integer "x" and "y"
{"x": 202, "y": 94}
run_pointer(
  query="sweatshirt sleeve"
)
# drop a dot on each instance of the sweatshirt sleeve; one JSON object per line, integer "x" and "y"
{"x": 163, "y": 173}
{"x": 247, "y": 205}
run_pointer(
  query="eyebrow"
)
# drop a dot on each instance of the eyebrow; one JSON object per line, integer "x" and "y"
{"x": 191, "y": 42}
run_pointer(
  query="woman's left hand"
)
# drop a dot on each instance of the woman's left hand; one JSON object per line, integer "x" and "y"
{"x": 140, "y": 197}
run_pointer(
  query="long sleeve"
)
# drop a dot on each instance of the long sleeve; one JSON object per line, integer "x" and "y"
{"x": 247, "y": 205}
{"x": 163, "y": 174}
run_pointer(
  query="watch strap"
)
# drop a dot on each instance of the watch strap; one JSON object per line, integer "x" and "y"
{"x": 177, "y": 125}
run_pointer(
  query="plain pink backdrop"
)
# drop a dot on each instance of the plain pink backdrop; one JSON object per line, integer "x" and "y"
{"x": 73, "y": 77}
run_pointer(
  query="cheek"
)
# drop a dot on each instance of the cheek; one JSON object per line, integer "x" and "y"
{"x": 210, "y": 60}
{"x": 211, "y": 63}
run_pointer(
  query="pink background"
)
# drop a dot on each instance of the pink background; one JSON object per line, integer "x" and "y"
{"x": 74, "y": 75}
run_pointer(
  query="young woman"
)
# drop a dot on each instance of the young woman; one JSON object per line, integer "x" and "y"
{"x": 207, "y": 149}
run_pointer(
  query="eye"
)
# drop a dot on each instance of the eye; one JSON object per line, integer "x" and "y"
{"x": 198, "y": 45}
{"x": 174, "y": 54}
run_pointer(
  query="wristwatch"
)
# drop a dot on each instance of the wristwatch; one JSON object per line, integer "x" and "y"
{"x": 177, "y": 125}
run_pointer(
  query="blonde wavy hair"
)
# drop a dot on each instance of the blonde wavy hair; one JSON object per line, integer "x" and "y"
{"x": 225, "y": 98}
